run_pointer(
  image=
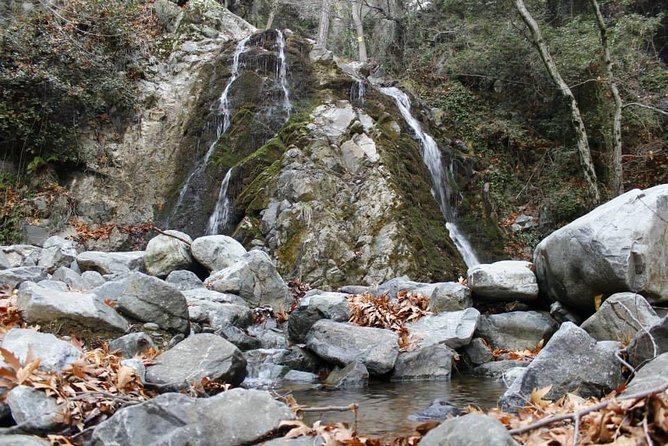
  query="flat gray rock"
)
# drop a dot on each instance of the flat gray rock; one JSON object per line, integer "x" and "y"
{"x": 111, "y": 262}
{"x": 453, "y": 328}
{"x": 504, "y": 280}
{"x": 197, "y": 357}
{"x": 69, "y": 310}
{"x": 232, "y": 418}
{"x": 343, "y": 344}
{"x": 149, "y": 299}
{"x": 54, "y": 354}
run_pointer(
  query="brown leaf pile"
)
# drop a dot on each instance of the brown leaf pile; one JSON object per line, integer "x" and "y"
{"x": 642, "y": 421}
{"x": 502, "y": 353}
{"x": 340, "y": 434}
{"x": 369, "y": 310}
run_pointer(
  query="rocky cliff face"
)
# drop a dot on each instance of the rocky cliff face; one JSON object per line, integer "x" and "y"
{"x": 332, "y": 183}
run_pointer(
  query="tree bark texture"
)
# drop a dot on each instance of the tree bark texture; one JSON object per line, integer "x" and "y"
{"x": 578, "y": 123}
{"x": 617, "y": 176}
{"x": 359, "y": 29}
{"x": 323, "y": 29}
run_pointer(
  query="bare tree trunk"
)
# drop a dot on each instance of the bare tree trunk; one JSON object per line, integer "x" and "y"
{"x": 273, "y": 5}
{"x": 578, "y": 124}
{"x": 617, "y": 177}
{"x": 359, "y": 29}
{"x": 323, "y": 30}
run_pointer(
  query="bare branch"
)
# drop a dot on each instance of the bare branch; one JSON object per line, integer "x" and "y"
{"x": 649, "y": 107}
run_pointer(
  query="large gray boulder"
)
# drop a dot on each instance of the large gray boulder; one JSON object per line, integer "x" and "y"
{"x": 232, "y": 418}
{"x": 505, "y": 280}
{"x": 649, "y": 343}
{"x": 216, "y": 252}
{"x": 198, "y": 356}
{"x": 69, "y": 310}
{"x": 253, "y": 277}
{"x": 620, "y": 317}
{"x": 168, "y": 252}
{"x": 571, "y": 361}
{"x": 54, "y": 354}
{"x": 517, "y": 330}
{"x": 453, "y": 328}
{"x": 429, "y": 363}
{"x": 111, "y": 262}
{"x": 148, "y": 299}
{"x": 619, "y": 246}
{"x": 57, "y": 252}
{"x": 343, "y": 344}
{"x": 469, "y": 430}
{"x": 13, "y": 277}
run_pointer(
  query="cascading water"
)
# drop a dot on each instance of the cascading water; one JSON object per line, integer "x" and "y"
{"x": 219, "y": 218}
{"x": 357, "y": 91}
{"x": 224, "y": 109}
{"x": 431, "y": 156}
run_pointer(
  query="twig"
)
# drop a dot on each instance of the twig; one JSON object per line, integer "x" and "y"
{"x": 350, "y": 407}
{"x": 172, "y": 235}
{"x": 649, "y": 107}
{"x": 578, "y": 414}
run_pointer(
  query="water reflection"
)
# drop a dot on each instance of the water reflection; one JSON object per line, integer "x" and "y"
{"x": 385, "y": 407}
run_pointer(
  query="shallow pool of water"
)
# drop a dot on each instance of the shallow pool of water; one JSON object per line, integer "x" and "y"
{"x": 384, "y": 407}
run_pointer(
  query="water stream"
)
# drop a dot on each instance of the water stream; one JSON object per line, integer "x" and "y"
{"x": 384, "y": 408}
{"x": 220, "y": 216}
{"x": 440, "y": 178}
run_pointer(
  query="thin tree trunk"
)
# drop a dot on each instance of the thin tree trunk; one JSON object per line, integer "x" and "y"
{"x": 617, "y": 177}
{"x": 273, "y": 5}
{"x": 323, "y": 30}
{"x": 359, "y": 28}
{"x": 578, "y": 124}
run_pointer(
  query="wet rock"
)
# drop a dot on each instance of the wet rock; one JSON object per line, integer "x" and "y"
{"x": 57, "y": 252}
{"x": 269, "y": 337}
{"x": 354, "y": 375}
{"x": 497, "y": 369}
{"x": 184, "y": 280}
{"x": 297, "y": 376}
{"x": 219, "y": 315}
{"x": 454, "y": 328}
{"x": 216, "y": 252}
{"x": 439, "y": 409}
{"x": 619, "y": 246}
{"x": 572, "y": 360}
{"x": 196, "y": 357}
{"x": 469, "y": 430}
{"x": 73, "y": 279}
{"x": 69, "y": 310}
{"x": 561, "y": 314}
{"x": 620, "y": 317}
{"x": 131, "y": 344}
{"x": 148, "y": 299}
{"x": 263, "y": 368}
{"x": 168, "y": 252}
{"x": 517, "y": 330}
{"x": 478, "y": 352}
{"x": 651, "y": 376}
{"x": 36, "y": 412}
{"x": 253, "y": 277}
{"x": 244, "y": 416}
{"x": 649, "y": 343}
{"x": 13, "y": 277}
{"x": 54, "y": 354}
{"x": 447, "y": 296}
{"x": 343, "y": 344}
{"x": 429, "y": 363}
{"x": 298, "y": 358}
{"x": 111, "y": 262}
{"x": 505, "y": 280}
{"x": 15, "y": 256}
{"x": 300, "y": 322}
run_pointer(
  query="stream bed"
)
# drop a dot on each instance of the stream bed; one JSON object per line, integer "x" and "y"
{"x": 384, "y": 407}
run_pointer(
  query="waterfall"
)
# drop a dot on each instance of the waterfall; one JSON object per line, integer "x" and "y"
{"x": 224, "y": 109}
{"x": 221, "y": 214}
{"x": 219, "y": 218}
{"x": 431, "y": 156}
{"x": 357, "y": 92}
{"x": 282, "y": 72}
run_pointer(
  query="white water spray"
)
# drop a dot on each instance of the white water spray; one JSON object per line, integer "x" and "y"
{"x": 221, "y": 214}
{"x": 282, "y": 72}
{"x": 431, "y": 156}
